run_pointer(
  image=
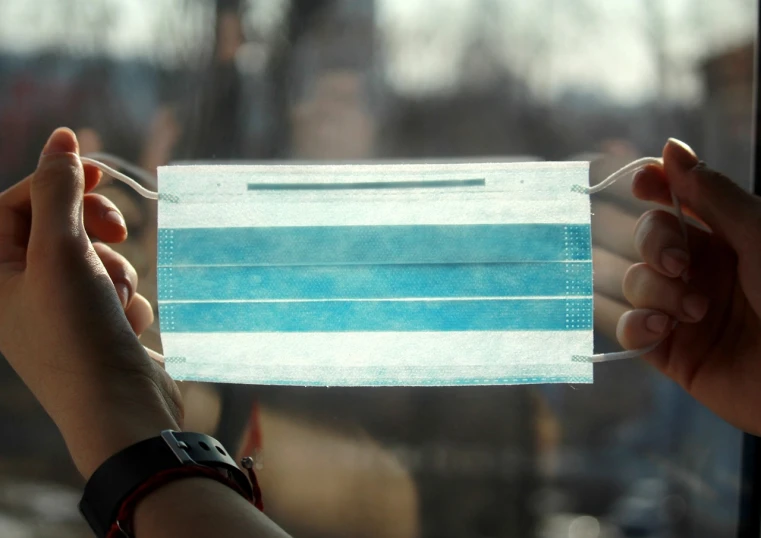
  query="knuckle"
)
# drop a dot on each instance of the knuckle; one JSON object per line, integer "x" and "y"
{"x": 122, "y": 269}
{"x": 645, "y": 225}
{"x": 126, "y": 270}
{"x": 654, "y": 229}
{"x": 706, "y": 180}
{"x": 63, "y": 173}
{"x": 51, "y": 167}
{"x": 702, "y": 173}
{"x": 633, "y": 281}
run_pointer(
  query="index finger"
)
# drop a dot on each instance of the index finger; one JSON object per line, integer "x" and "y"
{"x": 651, "y": 185}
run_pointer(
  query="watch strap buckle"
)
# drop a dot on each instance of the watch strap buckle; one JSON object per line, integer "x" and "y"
{"x": 179, "y": 448}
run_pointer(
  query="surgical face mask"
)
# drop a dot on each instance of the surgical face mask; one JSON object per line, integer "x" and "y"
{"x": 451, "y": 274}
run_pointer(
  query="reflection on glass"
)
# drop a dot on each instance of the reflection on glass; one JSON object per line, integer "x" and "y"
{"x": 163, "y": 80}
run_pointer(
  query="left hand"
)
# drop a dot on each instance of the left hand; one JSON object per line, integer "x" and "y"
{"x": 103, "y": 222}
{"x": 70, "y": 313}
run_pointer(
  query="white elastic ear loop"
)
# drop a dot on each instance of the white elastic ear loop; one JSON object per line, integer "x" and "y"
{"x": 142, "y": 191}
{"x": 148, "y": 179}
{"x": 622, "y": 172}
{"x": 608, "y": 181}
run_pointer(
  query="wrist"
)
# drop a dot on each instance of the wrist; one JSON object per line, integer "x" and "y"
{"x": 101, "y": 430}
{"x": 89, "y": 450}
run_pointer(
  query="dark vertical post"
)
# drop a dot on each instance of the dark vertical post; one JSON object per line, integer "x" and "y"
{"x": 749, "y": 525}
{"x": 215, "y": 130}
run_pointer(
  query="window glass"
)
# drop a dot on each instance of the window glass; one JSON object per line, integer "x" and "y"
{"x": 163, "y": 81}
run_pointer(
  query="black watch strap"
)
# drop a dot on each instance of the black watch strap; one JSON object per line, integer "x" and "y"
{"x": 127, "y": 470}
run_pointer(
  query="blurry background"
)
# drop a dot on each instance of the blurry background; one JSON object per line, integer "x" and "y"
{"x": 157, "y": 81}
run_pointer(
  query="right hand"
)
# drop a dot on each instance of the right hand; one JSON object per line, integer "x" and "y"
{"x": 714, "y": 351}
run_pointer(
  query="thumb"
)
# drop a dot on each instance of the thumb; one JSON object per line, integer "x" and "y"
{"x": 730, "y": 212}
{"x": 57, "y": 190}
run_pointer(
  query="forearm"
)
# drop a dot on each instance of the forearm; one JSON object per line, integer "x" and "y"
{"x": 200, "y": 507}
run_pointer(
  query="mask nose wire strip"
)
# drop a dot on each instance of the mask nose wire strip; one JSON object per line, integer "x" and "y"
{"x": 615, "y": 176}
{"x": 142, "y": 191}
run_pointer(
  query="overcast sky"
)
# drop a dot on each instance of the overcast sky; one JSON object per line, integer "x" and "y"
{"x": 596, "y": 46}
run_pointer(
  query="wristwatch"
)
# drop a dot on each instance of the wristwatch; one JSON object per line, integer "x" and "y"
{"x": 122, "y": 474}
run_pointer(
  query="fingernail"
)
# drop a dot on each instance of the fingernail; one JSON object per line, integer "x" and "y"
{"x": 62, "y": 140}
{"x": 113, "y": 215}
{"x": 122, "y": 290}
{"x": 683, "y": 154}
{"x": 675, "y": 260}
{"x": 656, "y": 323}
{"x": 695, "y": 306}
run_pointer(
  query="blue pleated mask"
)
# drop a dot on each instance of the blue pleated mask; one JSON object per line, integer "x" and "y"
{"x": 451, "y": 274}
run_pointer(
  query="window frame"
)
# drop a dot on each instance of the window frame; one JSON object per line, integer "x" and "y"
{"x": 749, "y": 521}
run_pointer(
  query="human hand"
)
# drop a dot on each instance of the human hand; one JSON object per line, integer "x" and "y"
{"x": 714, "y": 351}
{"x": 70, "y": 314}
